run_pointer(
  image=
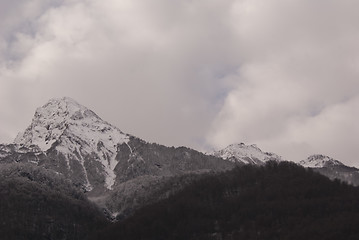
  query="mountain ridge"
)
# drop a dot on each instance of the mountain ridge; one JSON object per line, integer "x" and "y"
{"x": 122, "y": 173}
{"x": 100, "y": 159}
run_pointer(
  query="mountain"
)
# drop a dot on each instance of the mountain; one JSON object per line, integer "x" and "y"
{"x": 320, "y": 161}
{"x": 332, "y": 168}
{"x": 69, "y": 158}
{"x": 112, "y": 166}
{"x": 246, "y": 154}
{"x": 99, "y": 158}
{"x": 79, "y": 143}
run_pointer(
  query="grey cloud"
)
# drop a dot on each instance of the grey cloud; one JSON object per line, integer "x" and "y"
{"x": 300, "y": 60}
{"x": 197, "y": 73}
{"x": 150, "y": 69}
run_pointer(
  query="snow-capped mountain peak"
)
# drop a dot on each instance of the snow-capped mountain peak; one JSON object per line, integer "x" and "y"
{"x": 319, "y": 161}
{"x": 75, "y": 132}
{"x": 247, "y": 154}
{"x": 51, "y": 121}
{"x": 64, "y": 116}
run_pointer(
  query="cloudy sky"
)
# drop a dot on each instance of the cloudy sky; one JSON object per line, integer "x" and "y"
{"x": 283, "y": 74}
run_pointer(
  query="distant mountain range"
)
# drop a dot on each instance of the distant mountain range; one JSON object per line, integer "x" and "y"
{"x": 251, "y": 154}
{"x": 121, "y": 172}
{"x": 69, "y": 160}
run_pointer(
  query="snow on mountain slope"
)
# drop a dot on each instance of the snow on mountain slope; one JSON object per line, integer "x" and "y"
{"x": 247, "y": 154}
{"x": 75, "y": 132}
{"x": 319, "y": 161}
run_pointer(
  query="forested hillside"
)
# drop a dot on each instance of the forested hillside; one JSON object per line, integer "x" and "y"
{"x": 36, "y": 203}
{"x": 276, "y": 201}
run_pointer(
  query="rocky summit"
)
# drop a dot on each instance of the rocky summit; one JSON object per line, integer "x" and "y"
{"x": 246, "y": 154}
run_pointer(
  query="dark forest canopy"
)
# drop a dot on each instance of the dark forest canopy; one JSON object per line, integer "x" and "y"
{"x": 37, "y": 204}
{"x": 276, "y": 201}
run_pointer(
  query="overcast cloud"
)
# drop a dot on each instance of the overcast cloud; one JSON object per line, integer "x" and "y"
{"x": 201, "y": 73}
